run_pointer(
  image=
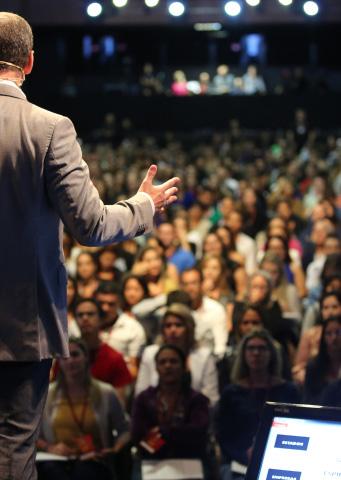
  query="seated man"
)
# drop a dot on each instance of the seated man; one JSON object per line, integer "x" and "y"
{"x": 122, "y": 331}
{"x": 209, "y": 315}
{"x": 106, "y": 364}
{"x": 174, "y": 251}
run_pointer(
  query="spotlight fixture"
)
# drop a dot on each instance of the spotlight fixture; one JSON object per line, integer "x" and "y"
{"x": 176, "y": 9}
{"x": 94, "y": 9}
{"x": 286, "y": 3}
{"x": 151, "y": 3}
{"x": 232, "y": 8}
{"x": 253, "y": 3}
{"x": 119, "y": 3}
{"x": 310, "y": 8}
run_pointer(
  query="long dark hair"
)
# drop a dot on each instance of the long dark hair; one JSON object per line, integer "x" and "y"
{"x": 240, "y": 370}
{"x": 319, "y": 365}
{"x": 79, "y": 342}
{"x": 186, "y": 376}
{"x": 140, "y": 280}
{"x": 285, "y": 244}
{"x": 182, "y": 312}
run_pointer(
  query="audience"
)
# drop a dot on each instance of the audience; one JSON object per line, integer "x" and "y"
{"x": 310, "y": 340}
{"x": 161, "y": 277}
{"x": 122, "y": 331}
{"x": 171, "y": 420}
{"x": 255, "y": 379}
{"x": 178, "y": 328}
{"x": 86, "y": 274}
{"x": 106, "y": 364}
{"x": 209, "y": 315}
{"x": 83, "y": 421}
{"x": 325, "y": 367}
{"x": 177, "y": 255}
{"x": 247, "y": 197}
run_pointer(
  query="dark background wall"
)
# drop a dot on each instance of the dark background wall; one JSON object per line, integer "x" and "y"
{"x": 106, "y": 84}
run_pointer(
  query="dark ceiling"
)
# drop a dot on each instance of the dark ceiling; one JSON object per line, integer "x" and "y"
{"x": 72, "y": 12}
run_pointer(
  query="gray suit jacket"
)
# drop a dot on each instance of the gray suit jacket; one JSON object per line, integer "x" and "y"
{"x": 43, "y": 180}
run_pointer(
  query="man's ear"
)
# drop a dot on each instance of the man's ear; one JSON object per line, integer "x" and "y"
{"x": 29, "y": 65}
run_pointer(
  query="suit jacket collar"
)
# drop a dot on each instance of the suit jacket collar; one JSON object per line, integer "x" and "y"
{"x": 9, "y": 91}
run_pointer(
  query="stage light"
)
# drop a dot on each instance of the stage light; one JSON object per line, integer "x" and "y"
{"x": 253, "y": 3}
{"x": 94, "y": 9}
{"x": 176, "y": 9}
{"x": 310, "y": 8}
{"x": 232, "y": 8}
{"x": 286, "y": 3}
{"x": 208, "y": 27}
{"x": 151, "y": 3}
{"x": 119, "y": 3}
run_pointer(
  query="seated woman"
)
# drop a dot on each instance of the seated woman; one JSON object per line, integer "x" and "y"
{"x": 325, "y": 367}
{"x": 217, "y": 281}
{"x": 255, "y": 380}
{"x": 80, "y": 418}
{"x": 259, "y": 294}
{"x": 249, "y": 317}
{"x": 170, "y": 420}
{"x": 106, "y": 264}
{"x": 226, "y": 236}
{"x": 177, "y": 328}
{"x": 330, "y": 306}
{"x": 293, "y": 270}
{"x": 284, "y": 292}
{"x": 86, "y": 274}
{"x": 160, "y": 276}
{"x": 217, "y": 244}
{"x": 311, "y": 316}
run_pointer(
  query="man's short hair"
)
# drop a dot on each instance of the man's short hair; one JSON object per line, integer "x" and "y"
{"x": 193, "y": 269}
{"x": 82, "y": 300}
{"x": 106, "y": 287}
{"x": 16, "y": 40}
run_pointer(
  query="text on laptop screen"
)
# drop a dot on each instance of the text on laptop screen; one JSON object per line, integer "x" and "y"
{"x": 301, "y": 449}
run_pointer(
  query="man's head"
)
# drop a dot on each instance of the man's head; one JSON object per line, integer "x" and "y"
{"x": 87, "y": 315}
{"x": 16, "y": 43}
{"x": 320, "y": 230}
{"x": 191, "y": 282}
{"x": 332, "y": 244}
{"x": 166, "y": 234}
{"x": 108, "y": 298}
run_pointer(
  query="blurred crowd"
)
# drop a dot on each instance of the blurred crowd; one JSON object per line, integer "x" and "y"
{"x": 223, "y": 82}
{"x": 209, "y": 81}
{"x": 177, "y": 339}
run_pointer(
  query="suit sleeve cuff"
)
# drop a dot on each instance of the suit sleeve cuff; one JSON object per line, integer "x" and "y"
{"x": 150, "y": 199}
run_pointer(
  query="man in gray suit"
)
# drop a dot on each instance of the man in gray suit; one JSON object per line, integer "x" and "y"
{"x": 43, "y": 182}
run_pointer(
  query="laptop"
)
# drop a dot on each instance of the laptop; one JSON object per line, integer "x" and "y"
{"x": 297, "y": 442}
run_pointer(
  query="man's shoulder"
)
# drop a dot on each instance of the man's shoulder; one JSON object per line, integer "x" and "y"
{"x": 128, "y": 322}
{"x": 109, "y": 353}
{"x": 244, "y": 239}
{"x": 210, "y": 304}
{"x": 46, "y": 114}
{"x": 149, "y": 352}
{"x": 181, "y": 253}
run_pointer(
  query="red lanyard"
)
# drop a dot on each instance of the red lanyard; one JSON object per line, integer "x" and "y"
{"x": 78, "y": 421}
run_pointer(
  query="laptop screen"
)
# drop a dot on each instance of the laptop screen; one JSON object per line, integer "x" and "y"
{"x": 301, "y": 444}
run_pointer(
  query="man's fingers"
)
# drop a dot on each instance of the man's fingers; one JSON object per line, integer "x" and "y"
{"x": 170, "y": 192}
{"x": 171, "y": 199}
{"x": 169, "y": 184}
{"x": 152, "y": 170}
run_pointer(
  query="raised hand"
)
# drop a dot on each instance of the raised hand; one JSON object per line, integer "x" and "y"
{"x": 162, "y": 195}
